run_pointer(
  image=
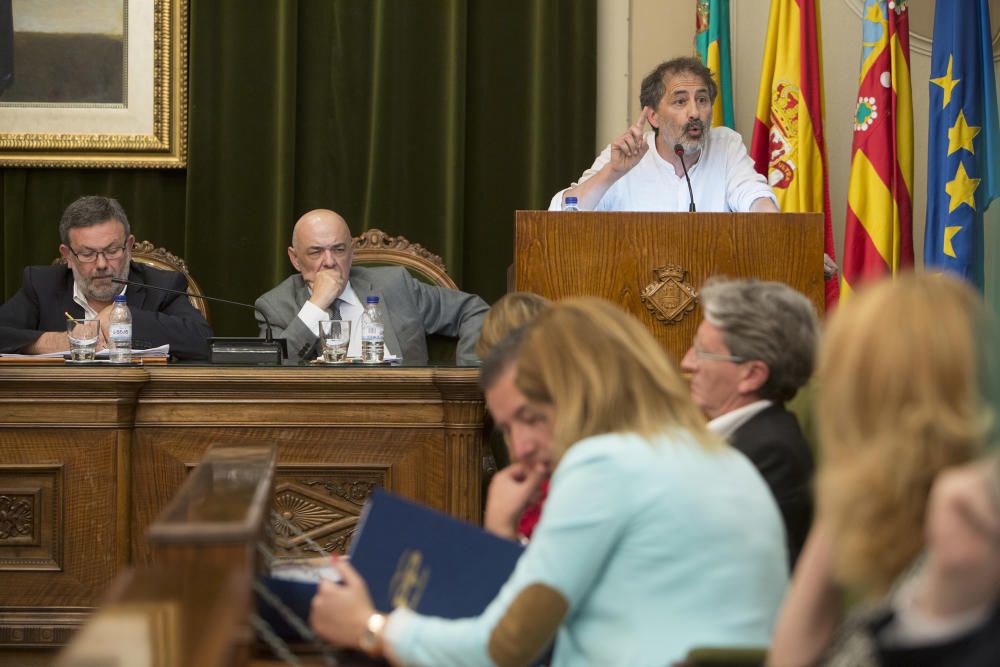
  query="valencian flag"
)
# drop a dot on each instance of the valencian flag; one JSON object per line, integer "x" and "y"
{"x": 712, "y": 42}
{"x": 788, "y": 145}
{"x": 962, "y": 167}
{"x": 878, "y": 236}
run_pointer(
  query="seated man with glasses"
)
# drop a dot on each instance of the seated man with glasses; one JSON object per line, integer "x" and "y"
{"x": 97, "y": 244}
{"x": 751, "y": 353}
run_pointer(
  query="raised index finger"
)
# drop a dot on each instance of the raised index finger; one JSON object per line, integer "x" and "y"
{"x": 640, "y": 122}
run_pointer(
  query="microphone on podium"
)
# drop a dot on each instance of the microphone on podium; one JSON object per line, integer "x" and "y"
{"x": 679, "y": 152}
{"x": 232, "y": 350}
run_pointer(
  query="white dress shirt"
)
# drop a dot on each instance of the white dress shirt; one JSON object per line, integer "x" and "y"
{"x": 351, "y": 310}
{"x": 723, "y": 179}
{"x": 725, "y": 425}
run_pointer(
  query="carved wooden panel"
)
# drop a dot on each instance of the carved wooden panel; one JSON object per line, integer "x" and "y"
{"x": 122, "y": 439}
{"x": 322, "y": 504}
{"x": 396, "y": 422}
{"x": 64, "y": 438}
{"x": 31, "y": 513}
{"x": 621, "y": 256}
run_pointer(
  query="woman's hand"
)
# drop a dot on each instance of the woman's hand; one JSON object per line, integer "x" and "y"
{"x": 510, "y": 492}
{"x": 340, "y": 611}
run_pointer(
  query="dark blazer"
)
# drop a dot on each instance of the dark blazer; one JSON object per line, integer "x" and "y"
{"x": 773, "y": 441}
{"x": 158, "y": 318}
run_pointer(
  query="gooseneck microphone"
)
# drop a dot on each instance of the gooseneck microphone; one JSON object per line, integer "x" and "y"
{"x": 267, "y": 324}
{"x": 679, "y": 152}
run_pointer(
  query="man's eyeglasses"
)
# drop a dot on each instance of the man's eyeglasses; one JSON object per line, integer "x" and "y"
{"x": 90, "y": 256}
{"x": 712, "y": 356}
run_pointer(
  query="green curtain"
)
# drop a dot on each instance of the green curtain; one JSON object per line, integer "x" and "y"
{"x": 434, "y": 119}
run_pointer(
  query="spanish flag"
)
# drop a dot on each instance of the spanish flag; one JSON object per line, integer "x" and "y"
{"x": 878, "y": 238}
{"x": 788, "y": 146}
{"x": 712, "y": 43}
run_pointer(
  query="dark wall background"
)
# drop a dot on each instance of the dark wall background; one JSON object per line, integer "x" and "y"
{"x": 434, "y": 119}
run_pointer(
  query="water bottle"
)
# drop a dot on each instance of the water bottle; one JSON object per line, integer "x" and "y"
{"x": 372, "y": 333}
{"x": 570, "y": 204}
{"x": 120, "y": 334}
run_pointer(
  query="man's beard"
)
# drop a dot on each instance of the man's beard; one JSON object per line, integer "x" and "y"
{"x": 101, "y": 292}
{"x": 694, "y": 145}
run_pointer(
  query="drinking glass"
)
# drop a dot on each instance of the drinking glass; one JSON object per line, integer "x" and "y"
{"x": 335, "y": 336}
{"x": 83, "y": 338}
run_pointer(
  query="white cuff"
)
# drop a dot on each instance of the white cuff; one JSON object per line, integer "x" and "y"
{"x": 311, "y": 315}
{"x": 397, "y": 629}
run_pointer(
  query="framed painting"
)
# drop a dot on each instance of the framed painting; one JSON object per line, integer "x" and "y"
{"x": 93, "y": 83}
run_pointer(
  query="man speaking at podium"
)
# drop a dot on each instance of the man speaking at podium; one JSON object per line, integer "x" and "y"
{"x": 676, "y": 100}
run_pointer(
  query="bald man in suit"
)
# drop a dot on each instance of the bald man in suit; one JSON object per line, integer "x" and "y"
{"x": 327, "y": 286}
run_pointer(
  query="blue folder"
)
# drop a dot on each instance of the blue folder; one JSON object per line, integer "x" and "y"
{"x": 428, "y": 561}
{"x": 410, "y": 555}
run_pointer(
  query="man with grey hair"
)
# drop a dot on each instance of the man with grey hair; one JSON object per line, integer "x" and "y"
{"x": 676, "y": 99}
{"x": 751, "y": 353}
{"x": 97, "y": 247}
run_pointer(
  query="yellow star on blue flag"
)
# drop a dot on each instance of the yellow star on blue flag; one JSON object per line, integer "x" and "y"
{"x": 963, "y": 143}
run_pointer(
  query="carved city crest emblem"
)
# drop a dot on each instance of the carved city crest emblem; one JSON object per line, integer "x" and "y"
{"x": 669, "y": 299}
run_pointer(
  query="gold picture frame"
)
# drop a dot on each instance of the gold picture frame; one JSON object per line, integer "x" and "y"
{"x": 145, "y": 126}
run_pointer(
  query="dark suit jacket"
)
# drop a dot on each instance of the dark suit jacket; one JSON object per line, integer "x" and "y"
{"x": 158, "y": 318}
{"x": 773, "y": 441}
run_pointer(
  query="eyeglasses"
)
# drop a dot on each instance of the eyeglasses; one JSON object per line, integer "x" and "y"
{"x": 712, "y": 356}
{"x": 90, "y": 256}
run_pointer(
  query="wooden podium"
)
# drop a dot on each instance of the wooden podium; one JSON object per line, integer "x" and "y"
{"x": 654, "y": 264}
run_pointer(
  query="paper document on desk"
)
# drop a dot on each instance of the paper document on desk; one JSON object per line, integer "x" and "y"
{"x": 150, "y": 353}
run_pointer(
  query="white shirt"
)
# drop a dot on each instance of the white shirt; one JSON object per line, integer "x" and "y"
{"x": 723, "y": 179}
{"x": 81, "y": 300}
{"x": 725, "y": 425}
{"x": 351, "y": 309}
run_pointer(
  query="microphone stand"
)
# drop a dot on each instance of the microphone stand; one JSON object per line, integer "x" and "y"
{"x": 232, "y": 350}
{"x": 679, "y": 152}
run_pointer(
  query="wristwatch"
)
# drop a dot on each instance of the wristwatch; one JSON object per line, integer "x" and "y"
{"x": 371, "y": 637}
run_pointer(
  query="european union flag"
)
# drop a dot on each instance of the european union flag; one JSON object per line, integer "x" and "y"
{"x": 963, "y": 173}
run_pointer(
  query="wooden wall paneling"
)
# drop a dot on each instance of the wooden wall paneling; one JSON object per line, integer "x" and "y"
{"x": 617, "y": 256}
{"x": 90, "y": 455}
{"x": 167, "y": 616}
{"x": 466, "y": 447}
{"x": 340, "y": 433}
{"x": 65, "y": 435}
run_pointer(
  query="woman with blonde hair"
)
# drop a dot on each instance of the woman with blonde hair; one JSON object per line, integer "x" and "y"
{"x": 511, "y": 311}
{"x": 906, "y": 368}
{"x": 656, "y": 536}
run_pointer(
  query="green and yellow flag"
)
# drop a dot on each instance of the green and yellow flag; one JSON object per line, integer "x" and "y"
{"x": 712, "y": 43}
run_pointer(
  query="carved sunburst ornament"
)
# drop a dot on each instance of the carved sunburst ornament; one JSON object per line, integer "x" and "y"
{"x": 301, "y": 513}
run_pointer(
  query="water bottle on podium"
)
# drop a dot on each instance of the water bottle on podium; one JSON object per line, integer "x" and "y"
{"x": 570, "y": 204}
{"x": 120, "y": 332}
{"x": 372, "y": 333}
